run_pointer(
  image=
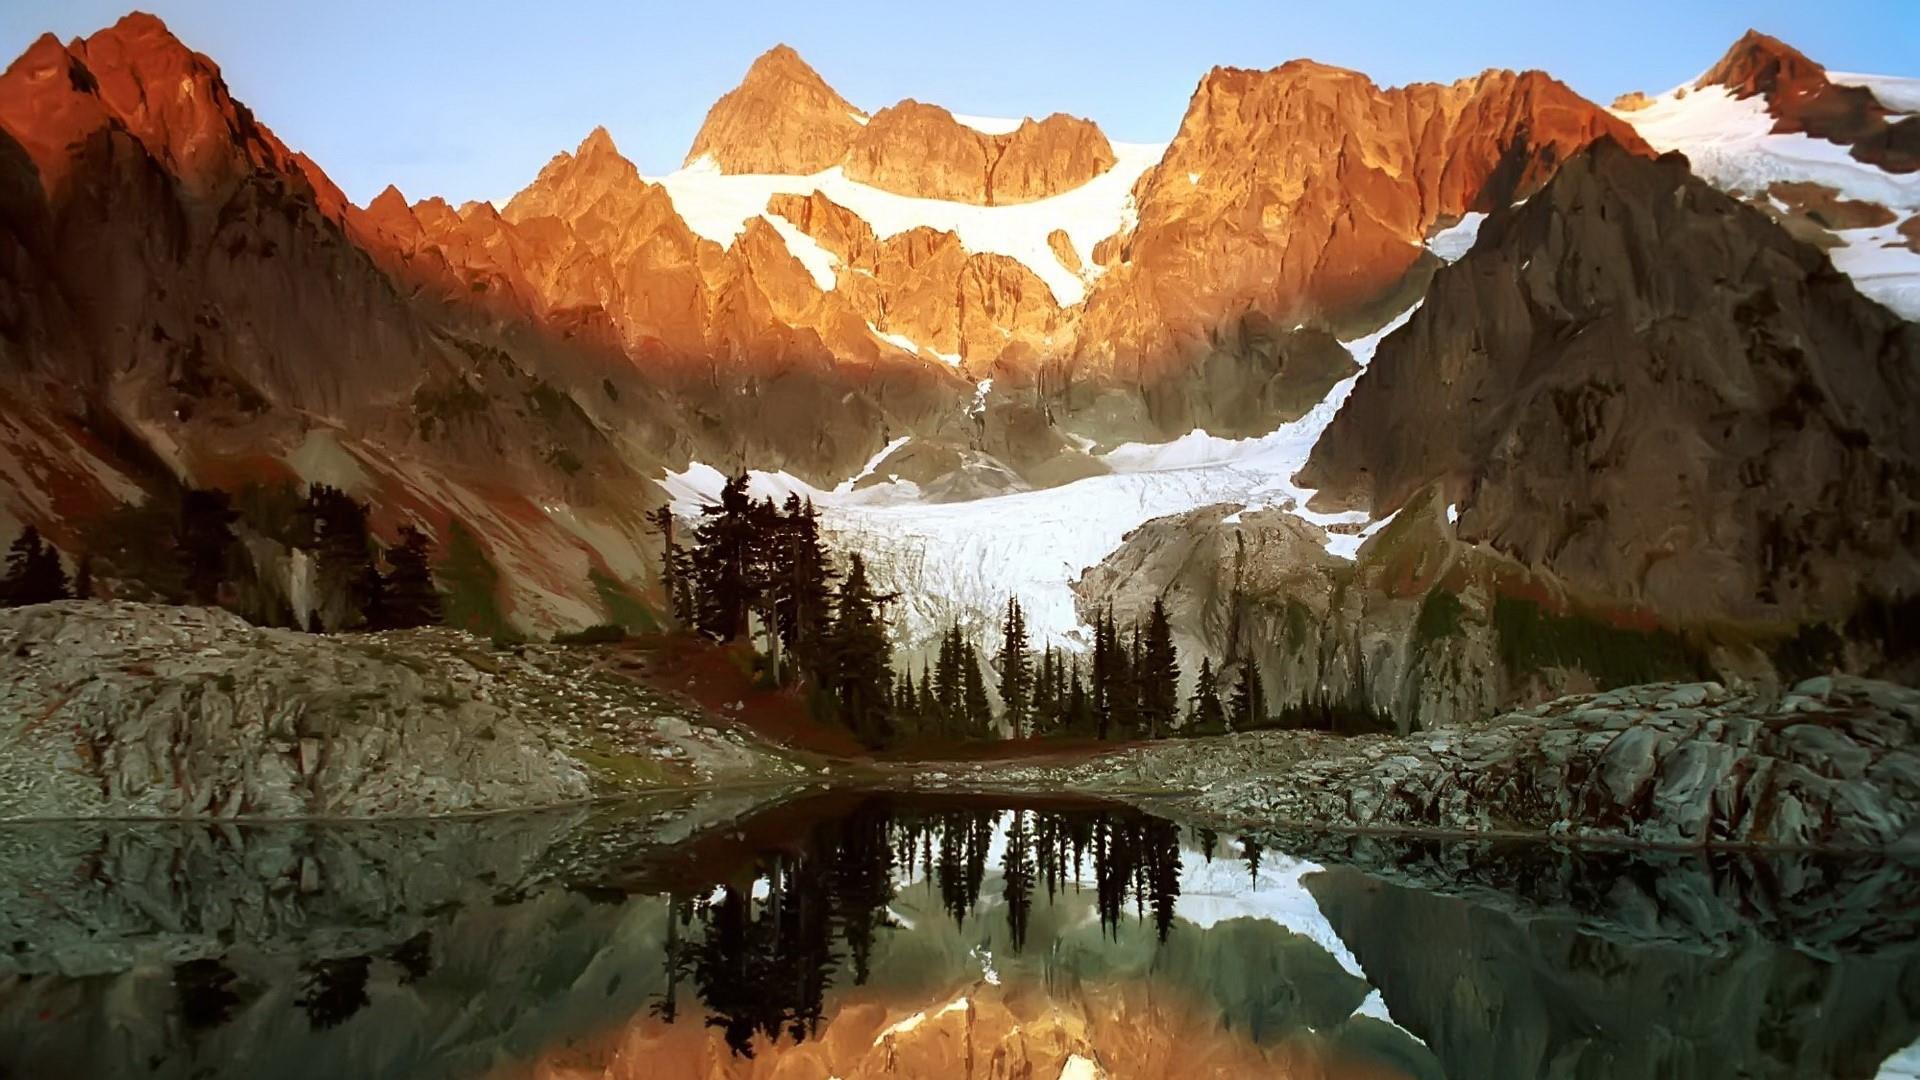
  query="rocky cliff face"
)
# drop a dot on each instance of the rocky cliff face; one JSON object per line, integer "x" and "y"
{"x": 1647, "y": 388}
{"x": 1304, "y": 193}
{"x": 921, "y": 150}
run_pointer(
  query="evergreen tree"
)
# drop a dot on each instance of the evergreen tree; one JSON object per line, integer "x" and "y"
{"x": 856, "y": 658}
{"x": 1104, "y": 658}
{"x": 950, "y": 687}
{"x": 34, "y": 573}
{"x": 1205, "y": 715}
{"x": 1248, "y": 709}
{"x": 411, "y": 599}
{"x": 1079, "y": 705}
{"x": 205, "y": 538}
{"x": 352, "y": 591}
{"x": 804, "y": 583}
{"x": 1158, "y": 674}
{"x": 1016, "y": 671}
{"x": 676, "y": 571}
{"x": 724, "y": 562}
{"x": 979, "y": 710}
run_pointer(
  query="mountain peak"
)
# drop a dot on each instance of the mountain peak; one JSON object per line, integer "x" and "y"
{"x": 782, "y": 118}
{"x": 598, "y": 141}
{"x": 1761, "y": 64}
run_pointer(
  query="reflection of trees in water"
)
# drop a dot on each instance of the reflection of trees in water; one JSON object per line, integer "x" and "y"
{"x": 767, "y": 951}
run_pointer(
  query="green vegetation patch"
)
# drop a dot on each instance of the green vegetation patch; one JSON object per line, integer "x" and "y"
{"x": 470, "y": 587}
{"x": 1532, "y": 639}
{"x": 1440, "y": 616}
{"x": 597, "y": 634}
{"x": 622, "y": 607}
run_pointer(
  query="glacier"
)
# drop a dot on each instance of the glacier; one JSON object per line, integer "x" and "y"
{"x": 959, "y": 562}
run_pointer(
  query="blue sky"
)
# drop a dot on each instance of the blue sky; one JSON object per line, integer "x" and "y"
{"x": 468, "y": 100}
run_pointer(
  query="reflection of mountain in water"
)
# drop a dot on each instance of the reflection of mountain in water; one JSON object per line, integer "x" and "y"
{"x": 852, "y": 935}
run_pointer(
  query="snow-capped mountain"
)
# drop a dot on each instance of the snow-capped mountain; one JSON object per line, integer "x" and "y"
{"x": 990, "y": 349}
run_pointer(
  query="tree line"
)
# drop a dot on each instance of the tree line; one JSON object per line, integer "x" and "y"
{"x": 754, "y": 569}
{"x": 184, "y": 549}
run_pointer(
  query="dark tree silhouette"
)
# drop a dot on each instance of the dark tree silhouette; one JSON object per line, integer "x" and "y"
{"x": 1205, "y": 714}
{"x": 1016, "y": 671}
{"x": 411, "y": 598}
{"x": 1158, "y": 674}
{"x": 34, "y": 574}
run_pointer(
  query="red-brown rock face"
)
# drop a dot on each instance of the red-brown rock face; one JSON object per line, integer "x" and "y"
{"x": 782, "y": 118}
{"x": 921, "y": 150}
{"x": 1802, "y": 100}
{"x": 1304, "y": 192}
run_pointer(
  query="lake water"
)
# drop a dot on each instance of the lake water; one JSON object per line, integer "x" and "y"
{"x": 846, "y": 934}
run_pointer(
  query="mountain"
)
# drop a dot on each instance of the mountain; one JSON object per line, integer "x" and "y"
{"x": 1651, "y": 390}
{"x": 939, "y": 325}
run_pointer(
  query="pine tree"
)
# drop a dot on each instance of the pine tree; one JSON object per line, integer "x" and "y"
{"x": 724, "y": 562}
{"x": 1079, "y": 705}
{"x": 979, "y": 710}
{"x": 1016, "y": 671}
{"x": 34, "y": 573}
{"x": 856, "y": 658}
{"x": 1158, "y": 674}
{"x": 1205, "y": 716}
{"x": 950, "y": 686}
{"x": 803, "y": 582}
{"x": 205, "y": 538}
{"x": 1248, "y": 709}
{"x": 675, "y": 567}
{"x": 1099, "y": 698}
{"x": 411, "y": 599}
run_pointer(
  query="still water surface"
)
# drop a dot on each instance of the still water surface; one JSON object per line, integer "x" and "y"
{"x": 860, "y": 934}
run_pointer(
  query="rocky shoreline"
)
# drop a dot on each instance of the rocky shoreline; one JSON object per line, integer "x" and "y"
{"x": 118, "y": 710}
{"x": 1831, "y": 764}
{"x": 115, "y": 710}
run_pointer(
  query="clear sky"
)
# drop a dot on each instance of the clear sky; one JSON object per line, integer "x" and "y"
{"x": 468, "y": 100}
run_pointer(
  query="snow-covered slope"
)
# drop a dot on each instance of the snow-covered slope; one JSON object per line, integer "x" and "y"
{"x": 1731, "y": 144}
{"x": 961, "y": 560}
{"x": 718, "y": 207}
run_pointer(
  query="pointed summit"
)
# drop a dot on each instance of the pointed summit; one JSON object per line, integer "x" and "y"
{"x": 597, "y": 142}
{"x": 782, "y": 118}
{"x": 1761, "y": 64}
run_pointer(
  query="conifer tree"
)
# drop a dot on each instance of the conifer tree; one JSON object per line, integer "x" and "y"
{"x": 204, "y": 539}
{"x": 1248, "y": 710}
{"x": 34, "y": 574}
{"x": 1079, "y": 705}
{"x": 411, "y": 599}
{"x": 1205, "y": 715}
{"x": 1158, "y": 674}
{"x": 1016, "y": 671}
{"x": 979, "y": 709}
{"x": 676, "y": 571}
{"x": 856, "y": 658}
{"x": 804, "y": 582}
{"x": 1102, "y": 676}
{"x": 724, "y": 562}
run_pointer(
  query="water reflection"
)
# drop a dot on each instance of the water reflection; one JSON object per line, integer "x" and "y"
{"x": 858, "y": 934}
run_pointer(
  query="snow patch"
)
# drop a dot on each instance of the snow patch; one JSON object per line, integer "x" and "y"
{"x": 818, "y": 260}
{"x": 718, "y": 206}
{"x": 990, "y": 125}
{"x": 1456, "y": 240}
{"x": 1897, "y": 94}
{"x": 846, "y": 486}
{"x": 900, "y": 1027}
